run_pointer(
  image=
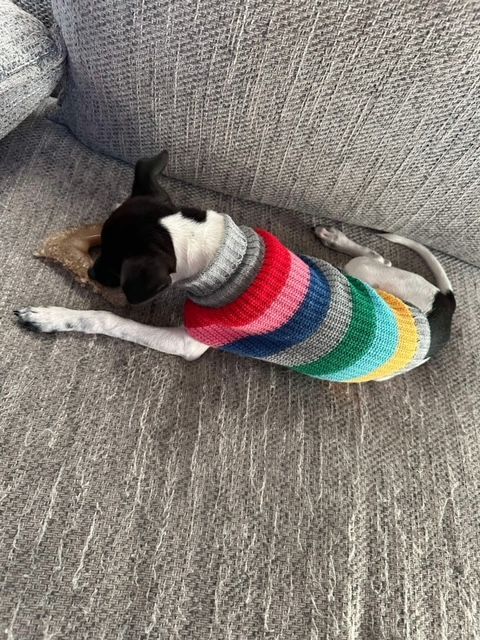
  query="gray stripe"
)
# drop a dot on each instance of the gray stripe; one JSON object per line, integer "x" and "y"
{"x": 333, "y": 328}
{"x": 228, "y": 259}
{"x": 235, "y": 267}
{"x": 423, "y": 346}
{"x": 240, "y": 279}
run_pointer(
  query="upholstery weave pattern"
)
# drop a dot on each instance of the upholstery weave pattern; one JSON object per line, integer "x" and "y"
{"x": 363, "y": 110}
{"x": 282, "y": 305}
{"x": 41, "y": 9}
{"x": 144, "y": 497}
{"x": 31, "y": 64}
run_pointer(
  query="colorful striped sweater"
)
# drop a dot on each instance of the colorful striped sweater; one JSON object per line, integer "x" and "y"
{"x": 259, "y": 299}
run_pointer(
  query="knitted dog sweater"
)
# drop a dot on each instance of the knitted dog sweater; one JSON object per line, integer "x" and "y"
{"x": 259, "y": 299}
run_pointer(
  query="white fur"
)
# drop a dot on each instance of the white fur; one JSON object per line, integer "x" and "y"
{"x": 409, "y": 287}
{"x": 371, "y": 267}
{"x": 335, "y": 239}
{"x": 439, "y": 274}
{"x": 172, "y": 340}
{"x": 196, "y": 244}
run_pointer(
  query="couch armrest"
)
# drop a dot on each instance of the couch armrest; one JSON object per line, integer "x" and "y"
{"x": 31, "y": 64}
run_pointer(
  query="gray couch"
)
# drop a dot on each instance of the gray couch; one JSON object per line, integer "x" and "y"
{"x": 145, "y": 497}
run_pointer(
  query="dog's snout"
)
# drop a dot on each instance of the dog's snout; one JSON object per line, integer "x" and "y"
{"x": 103, "y": 274}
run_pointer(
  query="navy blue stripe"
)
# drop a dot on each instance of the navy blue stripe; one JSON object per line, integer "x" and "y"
{"x": 304, "y": 323}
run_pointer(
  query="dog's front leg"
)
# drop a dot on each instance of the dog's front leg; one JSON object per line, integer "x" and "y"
{"x": 172, "y": 340}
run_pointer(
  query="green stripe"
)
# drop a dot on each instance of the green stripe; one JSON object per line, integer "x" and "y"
{"x": 357, "y": 339}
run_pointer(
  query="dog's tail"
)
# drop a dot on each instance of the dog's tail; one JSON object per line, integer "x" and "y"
{"x": 441, "y": 278}
{"x": 443, "y": 307}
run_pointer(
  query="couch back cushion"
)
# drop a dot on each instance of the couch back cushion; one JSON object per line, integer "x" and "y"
{"x": 41, "y": 9}
{"x": 365, "y": 111}
{"x": 31, "y": 64}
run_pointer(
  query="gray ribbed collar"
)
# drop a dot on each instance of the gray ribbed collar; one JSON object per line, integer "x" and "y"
{"x": 227, "y": 260}
{"x": 231, "y": 271}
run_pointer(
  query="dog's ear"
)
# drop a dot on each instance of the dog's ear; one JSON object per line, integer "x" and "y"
{"x": 146, "y": 183}
{"x": 142, "y": 277}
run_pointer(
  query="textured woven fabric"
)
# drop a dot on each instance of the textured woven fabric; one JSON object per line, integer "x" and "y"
{"x": 31, "y": 64}
{"x": 408, "y": 348}
{"x": 384, "y": 344}
{"x": 281, "y": 303}
{"x": 41, "y": 9}
{"x": 142, "y": 496}
{"x": 363, "y": 110}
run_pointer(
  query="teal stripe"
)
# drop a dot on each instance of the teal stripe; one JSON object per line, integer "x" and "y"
{"x": 383, "y": 347}
{"x": 356, "y": 342}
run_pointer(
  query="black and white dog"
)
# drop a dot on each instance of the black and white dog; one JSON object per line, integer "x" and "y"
{"x": 149, "y": 244}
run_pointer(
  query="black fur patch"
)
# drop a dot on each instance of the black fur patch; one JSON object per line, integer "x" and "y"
{"x": 137, "y": 252}
{"x": 194, "y": 214}
{"x": 440, "y": 321}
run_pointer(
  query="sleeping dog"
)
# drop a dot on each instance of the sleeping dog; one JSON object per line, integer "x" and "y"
{"x": 249, "y": 294}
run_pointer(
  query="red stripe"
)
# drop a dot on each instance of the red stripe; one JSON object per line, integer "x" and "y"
{"x": 282, "y": 309}
{"x": 256, "y": 299}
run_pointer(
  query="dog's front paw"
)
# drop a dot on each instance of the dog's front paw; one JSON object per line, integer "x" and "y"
{"x": 46, "y": 319}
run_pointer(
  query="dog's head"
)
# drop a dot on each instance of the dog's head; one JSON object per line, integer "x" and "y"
{"x": 137, "y": 252}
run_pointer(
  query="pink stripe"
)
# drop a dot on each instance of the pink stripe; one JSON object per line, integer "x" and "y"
{"x": 279, "y": 313}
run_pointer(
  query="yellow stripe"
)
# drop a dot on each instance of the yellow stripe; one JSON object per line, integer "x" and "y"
{"x": 407, "y": 344}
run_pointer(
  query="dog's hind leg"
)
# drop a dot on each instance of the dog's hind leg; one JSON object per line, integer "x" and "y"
{"x": 371, "y": 267}
{"x": 338, "y": 241}
{"x": 409, "y": 287}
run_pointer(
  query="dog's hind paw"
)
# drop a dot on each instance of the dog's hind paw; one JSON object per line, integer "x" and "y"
{"x": 330, "y": 237}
